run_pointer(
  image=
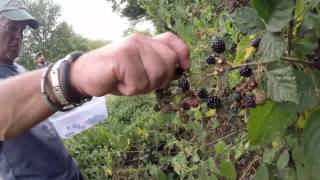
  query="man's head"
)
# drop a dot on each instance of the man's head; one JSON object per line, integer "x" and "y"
{"x": 40, "y": 58}
{"x": 13, "y": 20}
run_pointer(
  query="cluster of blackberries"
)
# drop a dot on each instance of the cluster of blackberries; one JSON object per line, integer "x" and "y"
{"x": 245, "y": 101}
{"x": 214, "y": 102}
{"x": 218, "y": 45}
{"x": 244, "y": 96}
{"x": 245, "y": 71}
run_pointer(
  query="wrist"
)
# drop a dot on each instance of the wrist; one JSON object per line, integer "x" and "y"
{"x": 76, "y": 80}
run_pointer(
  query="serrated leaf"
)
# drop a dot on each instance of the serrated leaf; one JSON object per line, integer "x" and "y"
{"x": 241, "y": 50}
{"x": 306, "y": 94}
{"x": 272, "y": 46}
{"x": 276, "y": 13}
{"x": 248, "y": 21}
{"x": 262, "y": 173}
{"x": 283, "y": 160}
{"x": 311, "y": 145}
{"x": 267, "y": 122}
{"x": 281, "y": 85}
{"x": 227, "y": 170}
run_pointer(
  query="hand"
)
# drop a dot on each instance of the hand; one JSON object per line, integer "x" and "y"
{"x": 137, "y": 65}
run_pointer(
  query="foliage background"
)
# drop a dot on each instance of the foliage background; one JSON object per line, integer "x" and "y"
{"x": 275, "y": 140}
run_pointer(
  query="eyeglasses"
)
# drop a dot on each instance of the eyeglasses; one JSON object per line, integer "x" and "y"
{"x": 13, "y": 28}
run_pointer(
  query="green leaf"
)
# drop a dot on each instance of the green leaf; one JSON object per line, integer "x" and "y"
{"x": 219, "y": 147}
{"x": 281, "y": 85}
{"x": 311, "y": 145}
{"x": 179, "y": 163}
{"x": 248, "y": 21}
{"x": 306, "y": 92}
{"x": 276, "y": 13}
{"x": 241, "y": 49}
{"x": 306, "y": 95}
{"x": 262, "y": 172}
{"x": 203, "y": 173}
{"x": 267, "y": 122}
{"x": 298, "y": 158}
{"x": 212, "y": 166}
{"x": 283, "y": 160}
{"x": 227, "y": 170}
{"x": 272, "y": 46}
{"x": 304, "y": 47}
{"x": 198, "y": 114}
{"x": 312, "y": 22}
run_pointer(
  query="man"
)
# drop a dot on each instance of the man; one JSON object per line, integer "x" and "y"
{"x": 29, "y": 146}
{"x": 40, "y": 60}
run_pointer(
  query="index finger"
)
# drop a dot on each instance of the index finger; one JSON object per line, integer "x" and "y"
{"x": 177, "y": 45}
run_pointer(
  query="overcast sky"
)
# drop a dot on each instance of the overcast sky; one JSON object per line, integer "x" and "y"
{"x": 94, "y": 19}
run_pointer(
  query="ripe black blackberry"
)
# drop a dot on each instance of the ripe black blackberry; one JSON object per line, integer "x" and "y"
{"x": 202, "y": 93}
{"x": 183, "y": 83}
{"x": 245, "y": 71}
{"x": 179, "y": 72}
{"x": 157, "y": 107}
{"x": 211, "y": 60}
{"x": 218, "y": 46}
{"x": 250, "y": 101}
{"x": 214, "y": 102}
{"x": 255, "y": 43}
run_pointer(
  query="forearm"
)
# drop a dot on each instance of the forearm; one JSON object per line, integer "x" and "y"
{"x": 21, "y": 104}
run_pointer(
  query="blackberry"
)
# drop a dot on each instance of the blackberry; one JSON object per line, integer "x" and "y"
{"x": 255, "y": 43}
{"x": 237, "y": 97}
{"x": 202, "y": 93}
{"x": 246, "y": 71}
{"x": 218, "y": 46}
{"x": 157, "y": 108}
{"x": 250, "y": 101}
{"x": 214, "y": 102}
{"x": 184, "y": 84}
{"x": 211, "y": 60}
{"x": 179, "y": 72}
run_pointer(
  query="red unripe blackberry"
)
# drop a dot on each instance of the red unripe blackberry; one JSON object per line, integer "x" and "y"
{"x": 214, "y": 102}
{"x": 211, "y": 60}
{"x": 250, "y": 101}
{"x": 186, "y": 106}
{"x": 202, "y": 93}
{"x": 218, "y": 45}
{"x": 255, "y": 43}
{"x": 245, "y": 71}
{"x": 183, "y": 83}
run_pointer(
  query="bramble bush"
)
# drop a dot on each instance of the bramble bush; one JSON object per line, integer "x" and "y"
{"x": 248, "y": 108}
